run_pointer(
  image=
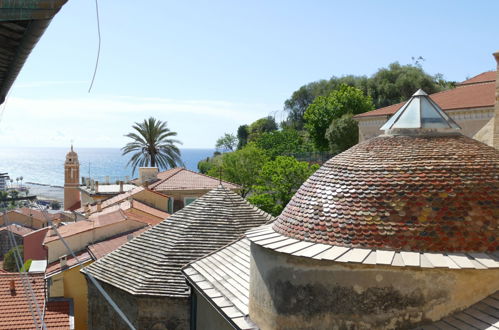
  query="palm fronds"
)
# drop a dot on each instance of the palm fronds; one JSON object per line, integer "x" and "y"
{"x": 152, "y": 145}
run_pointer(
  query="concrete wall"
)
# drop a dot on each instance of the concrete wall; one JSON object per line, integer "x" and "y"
{"x": 22, "y": 219}
{"x": 33, "y": 245}
{"x": 71, "y": 283}
{"x": 179, "y": 195}
{"x": 207, "y": 317}
{"x": 289, "y": 292}
{"x": 81, "y": 240}
{"x": 153, "y": 199}
{"x": 145, "y": 312}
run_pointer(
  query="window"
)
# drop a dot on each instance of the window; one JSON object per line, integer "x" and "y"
{"x": 188, "y": 200}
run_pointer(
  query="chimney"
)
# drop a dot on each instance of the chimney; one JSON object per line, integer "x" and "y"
{"x": 12, "y": 287}
{"x": 495, "y": 137}
{"x": 99, "y": 206}
{"x": 96, "y": 186}
{"x": 121, "y": 186}
{"x": 63, "y": 260}
{"x": 148, "y": 174}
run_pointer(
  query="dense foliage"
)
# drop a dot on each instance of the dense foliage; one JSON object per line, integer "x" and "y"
{"x": 227, "y": 142}
{"x": 242, "y": 136}
{"x": 152, "y": 145}
{"x": 342, "y": 134}
{"x": 387, "y": 86}
{"x": 241, "y": 166}
{"x": 278, "y": 181}
{"x": 325, "y": 109}
{"x": 9, "y": 260}
{"x": 284, "y": 142}
{"x": 262, "y": 125}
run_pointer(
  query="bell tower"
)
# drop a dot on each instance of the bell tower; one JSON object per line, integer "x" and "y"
{"x": 71, "y": 179}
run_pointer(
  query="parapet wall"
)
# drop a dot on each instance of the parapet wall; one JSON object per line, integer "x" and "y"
{"x": 289, "y": 292}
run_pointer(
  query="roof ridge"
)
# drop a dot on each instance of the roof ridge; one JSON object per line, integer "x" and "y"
{"x": 175, "y": 171}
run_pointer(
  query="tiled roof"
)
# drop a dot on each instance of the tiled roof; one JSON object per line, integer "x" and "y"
{"x": 184, "y": 179}
{"x": 266, "y": 237}
{"x": 55, "y": 267}
{"x": 487, "y": 76}
{"x": 94, "y": 221}
{"x": 151, "y": 263}
{"x": 17, "y": 229}
{"x": 478, "y": 94}
{"x": 406, "y": 193}
{"x": 15, "y": 307}
{"x": 58, "y": 315}
{"x": 223, "y": 278}
{"x": 482, "y": 315}
{"x": 99, "y": 250}
{"x": 136, "y": 210}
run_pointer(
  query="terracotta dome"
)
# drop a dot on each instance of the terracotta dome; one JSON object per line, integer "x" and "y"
{"x": 434, "y": 193}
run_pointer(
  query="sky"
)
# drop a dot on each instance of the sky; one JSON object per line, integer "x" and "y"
{"x": 207, "y": 67}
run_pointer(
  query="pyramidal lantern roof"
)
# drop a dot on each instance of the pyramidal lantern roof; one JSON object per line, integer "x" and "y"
{"x": 418, "y": 116}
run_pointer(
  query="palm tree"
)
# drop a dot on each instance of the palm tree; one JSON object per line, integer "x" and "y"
{"x": 152, "y": 145}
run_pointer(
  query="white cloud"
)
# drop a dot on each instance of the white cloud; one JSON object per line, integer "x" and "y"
{"x": 101, "y": 121}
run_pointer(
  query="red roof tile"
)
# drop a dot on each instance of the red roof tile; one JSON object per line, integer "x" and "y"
{"x": 17, "y": 229}
{"x": 55, "y": 267}
{"x": 99, "y": 250}
{"x": 406, "y": 193}
{"x": 480, "y": 78}
{"x": 15, "y": 306}
{"x": 57, "y": 314}
{"x": 94, "y": 221}
{"x": 184, "y": 179}
{"x": 477, "y": 92}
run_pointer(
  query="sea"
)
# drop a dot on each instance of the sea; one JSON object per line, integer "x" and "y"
{"x": 42, "y": 169}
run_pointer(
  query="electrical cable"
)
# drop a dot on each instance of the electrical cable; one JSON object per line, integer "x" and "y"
{"x": 24, "y": 279}
{"x": 98, "y": 47}
{"x": 92, "y": 279}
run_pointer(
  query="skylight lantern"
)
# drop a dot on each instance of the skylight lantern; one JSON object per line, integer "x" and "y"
{"x": 420, "y": 116}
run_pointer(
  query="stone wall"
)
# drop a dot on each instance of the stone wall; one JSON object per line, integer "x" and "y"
{"x": 207, "y": 317}
{"x": 290, "y": 292}
{"x": 145, "y": 312}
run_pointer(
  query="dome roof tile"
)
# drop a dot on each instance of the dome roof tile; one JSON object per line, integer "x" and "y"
{"x": 411, "y": 193}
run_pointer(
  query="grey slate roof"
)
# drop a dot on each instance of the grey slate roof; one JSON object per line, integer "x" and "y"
{"x": 223, "y": 279}
{"x": 151, "y": 263}
{"x": 482, "y": 315}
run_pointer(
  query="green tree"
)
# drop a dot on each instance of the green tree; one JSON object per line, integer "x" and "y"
{"x": 242, "y": 136}
{"x": 152, "y": 145}
{"x": 278, "y": 181}
{"x": 262, "y": 125}
{"x": 9, "y": 260}
{"x": 227, "y": 142}
{"x": 342, "y": 134}
{"x": 205, "y": 165}
{"x": 285, "y": 142}
{"x": 387, "y": 86}
{"x": 299, "y": 101}
{"x": 241, "y": 167}
{"x": 398, "y": 82}
{"x": 320, "y": 114}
